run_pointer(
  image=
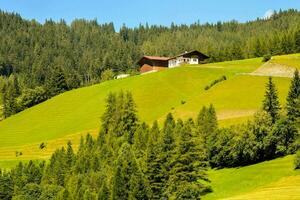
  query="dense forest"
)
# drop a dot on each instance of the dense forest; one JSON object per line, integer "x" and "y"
{"x": 38, "y": 61}
{"x": 132, "y": 160}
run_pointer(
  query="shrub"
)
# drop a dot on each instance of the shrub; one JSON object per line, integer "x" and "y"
{"x": 297, "y": 160}
{"x": 183, "y": 102}
{"x": 106, "y": 75}
{"x": 19, "y": 153}
{"x": 31, "y": 97}
{"x": 266, "y": 58}
{"x": 222, "y": 78}
{"x": 42, "y": 145}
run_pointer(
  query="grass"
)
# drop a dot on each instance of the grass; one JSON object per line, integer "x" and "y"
{"x": 80, "y": 110}
{"x": 242, "y": 98}
{"x": 292, "y": 60}
{"x": 8, "y": 164}
{"x": 285, "y": 188}
{"x": 74, "y": 113}
{"x": 247, "y": 181}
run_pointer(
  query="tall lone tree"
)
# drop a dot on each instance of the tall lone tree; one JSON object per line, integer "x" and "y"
{"x": 207, "y": 121}
{"x": 293, "y": 98}
{"x": 271, "y": 102}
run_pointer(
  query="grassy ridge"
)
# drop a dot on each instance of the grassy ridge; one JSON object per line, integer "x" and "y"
{"x": 74, "y": 113}
{"x": 78, "y": 110}
{"x": 243, "y": 96}
{"x": 292, "y": 60}
{"x": 285, "y": 188}
{"x": 243, "y": 181}
{"x": 70, "y": 115}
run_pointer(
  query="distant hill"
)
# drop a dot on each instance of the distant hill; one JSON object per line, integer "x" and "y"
{"x": 83, "y": 50}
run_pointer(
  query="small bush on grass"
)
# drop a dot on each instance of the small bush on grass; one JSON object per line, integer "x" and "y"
{"x": 42, "y": 145}
{"x": 222, "y": 78}
{"x": 266, "y": 58}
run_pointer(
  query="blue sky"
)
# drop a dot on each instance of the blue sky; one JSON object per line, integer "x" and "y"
{"x": 134, "y": 12}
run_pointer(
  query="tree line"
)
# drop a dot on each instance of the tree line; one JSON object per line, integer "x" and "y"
{"x": 54, "y": 57}
{"x": 132, "y": 160}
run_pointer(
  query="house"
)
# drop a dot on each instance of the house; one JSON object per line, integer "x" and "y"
{"x": 155, "y": 63}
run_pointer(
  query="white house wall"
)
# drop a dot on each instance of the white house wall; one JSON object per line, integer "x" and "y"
{"x": 180, "y": 60}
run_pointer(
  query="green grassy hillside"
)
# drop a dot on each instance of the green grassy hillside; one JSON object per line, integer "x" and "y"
{"x": 69, "y": 115}
{"x": 292, "y": 60}
{"x": 79, "y": 110}
{"x": 264, "y": 180}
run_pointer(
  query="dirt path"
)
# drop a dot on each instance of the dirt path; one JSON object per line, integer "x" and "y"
{"x": 274, "y": 69}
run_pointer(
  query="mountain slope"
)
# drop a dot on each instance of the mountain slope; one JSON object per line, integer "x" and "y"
{"x": 180, "y": 91}
{"x": 256, "y": 180}
{"x": 80, "y": 110}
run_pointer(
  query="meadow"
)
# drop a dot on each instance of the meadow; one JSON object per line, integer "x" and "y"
{"x": 260, "y": 181}
{"x": 80, "y": 110}
{"x": 180, "y": 91}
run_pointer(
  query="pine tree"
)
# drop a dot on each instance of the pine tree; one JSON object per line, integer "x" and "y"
{"x": 126, "y": 168}
{"x": 139, "y": 188}
{"x": 271, "y": 102}
{"x": 70, "y": 156}
{"x": 129, "y": 117}
{"x": 154, "y": 163}
{"x": 293, "y": 98}
{"x": 140, "y": 141}
{"x": 108, "y": 117}
{"x": 16, "y": 86}
{"x": 57, "y": 82}
{"x": 207, "y": 121}
{"x": 188, "y": 166}
{"x": 120, "y": 116}
{"x": 10, "y": 94}
{"x": 167, "y": 149}
{"x": 297, "y": 41}
{"x": 258, "y": 48}
{"x": 6, "y": 186}
{"x": 104, "y": 193}
{"x": 159, "y": 155}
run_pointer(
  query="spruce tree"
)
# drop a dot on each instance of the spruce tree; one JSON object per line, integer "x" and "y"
{"x": 129, "y": 117}
{"x": 189, "y": 166}
{"x": 140, "y": 141}
{"x": 57, "y": 82}
{"x": 7, "y": 185}
{"x": 155, "y": 172}
{"x": 159, "y": 156}
{"x": 126, "y": 168}
{"x": 70, "y": 156}
{"x": 297, "y": 41}
{"x": 108, "y": 117}
{"x": 293, "y": 98}
{"x": 154, "y": 163}
{"x": 207, "y": 121}
{"x": 139, "y": 188}
{"x": 271, "y": 102}
{"x": 104, "y": 193}
{"x": 16, "y": 86}
{"x": 167, "y": 152}
{"x": 10, "y": 94}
